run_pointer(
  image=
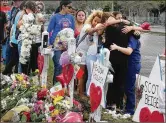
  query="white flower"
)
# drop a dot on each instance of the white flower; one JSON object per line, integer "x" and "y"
{"x": 28, "y": 33}
{"x": 3, "y": 104}
{"x": 35, "y": 29}
{"x": 26, "y": 25}
{"x": 63, "y": 37}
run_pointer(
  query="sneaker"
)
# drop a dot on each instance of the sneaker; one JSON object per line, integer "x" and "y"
{"x": 125, "y": 116}
{"x": 120, "y": 111}
{"x": 112, "y": 107}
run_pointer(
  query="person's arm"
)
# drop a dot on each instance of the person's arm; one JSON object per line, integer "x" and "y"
{"x": 127, "y": 29}
{"x": 50, "y": 28}
{"x": 95, "y": 29}
{"x": 111, "y": 20}
{"x": 51, "y": 24}
{"x": 126, "y": 51}
{"x": 132, "y": 45}
{"x": 99, "y": 25}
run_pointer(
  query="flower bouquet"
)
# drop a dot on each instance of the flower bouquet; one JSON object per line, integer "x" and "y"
{"x": 62, "y": 38}
{"x": 29, "y": 30}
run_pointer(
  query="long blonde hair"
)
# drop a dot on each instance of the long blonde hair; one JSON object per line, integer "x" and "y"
{"x": 95, "y": 13}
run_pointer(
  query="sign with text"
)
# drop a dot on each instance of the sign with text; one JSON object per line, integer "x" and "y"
{"x": 99, "y": 73}
{"x": 148, "y": 107}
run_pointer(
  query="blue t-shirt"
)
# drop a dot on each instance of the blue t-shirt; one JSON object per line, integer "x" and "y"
{"x": 59, "y": 22}
{"x": 13, "y": 38}
{"x": 135, "y": 56}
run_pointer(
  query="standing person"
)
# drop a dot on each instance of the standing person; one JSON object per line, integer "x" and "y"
{"x": 39, "y": 20}
{"x": 3, "y": 22}
{"x": 119, "y": 60}
{"x": 134, "y": 66}
{"x": 59, "y": 21}
{"x": 30, "y": 8}
{"x": 4, "y": 7}
{"x": 87, "y": 49}
{"x": 13, "y": 13}
{"x": 17, "y": 33}
{"x": 14, "y": 49}
{"x": 80, "y": 18}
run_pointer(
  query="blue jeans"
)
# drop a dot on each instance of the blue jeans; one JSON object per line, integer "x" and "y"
{"x": 19, "y": 52}
{"x": 130, "y": 87}
{"x": 89, "y": 67}
{"x": 4, "y": 51}
{"x": 57, "y": 66}
{"x": 8, "y": 51}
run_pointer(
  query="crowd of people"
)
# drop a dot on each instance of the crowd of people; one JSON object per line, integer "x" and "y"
{"x": 99, "y": 29}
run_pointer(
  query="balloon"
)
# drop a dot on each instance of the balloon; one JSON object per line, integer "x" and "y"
{"x": 68, "y": 71}
{"x": 66, "y": 75}
{"x": 61, "y": 79}
{"x": 40, "y": 62}
{"x": 72, "y": 117}
{"x": 64, "y": 59}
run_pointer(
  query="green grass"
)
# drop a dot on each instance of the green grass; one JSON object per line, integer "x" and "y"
{"x": 50, "y": 73}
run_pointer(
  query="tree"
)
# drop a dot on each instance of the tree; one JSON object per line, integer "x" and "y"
{"x": 141, "y": 8}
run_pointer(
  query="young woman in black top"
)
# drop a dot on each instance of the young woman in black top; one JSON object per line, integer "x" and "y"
{"x": 119, "y": 61}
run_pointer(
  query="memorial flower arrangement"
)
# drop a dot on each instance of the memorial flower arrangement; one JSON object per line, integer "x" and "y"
{"x": 29, "y": 30}
{"x": 25, "y": 101}
{"x": 62, "y": 38}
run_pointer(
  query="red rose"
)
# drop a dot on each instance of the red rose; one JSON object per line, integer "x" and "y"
{"x": 27, "y": 114}
{"x": 41, "y": 94}
{"x": 51, "y": 108}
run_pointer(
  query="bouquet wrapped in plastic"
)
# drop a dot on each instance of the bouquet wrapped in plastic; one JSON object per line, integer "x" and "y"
{"x": 62, "y": 38}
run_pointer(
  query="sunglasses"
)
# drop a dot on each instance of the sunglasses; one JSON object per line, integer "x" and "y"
{"x": 69, "y": 7}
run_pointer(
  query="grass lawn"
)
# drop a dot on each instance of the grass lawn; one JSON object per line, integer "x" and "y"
{"x": 83, "y": 101}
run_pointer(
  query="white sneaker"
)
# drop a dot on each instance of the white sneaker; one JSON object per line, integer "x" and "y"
{"x": 125, "y": 116}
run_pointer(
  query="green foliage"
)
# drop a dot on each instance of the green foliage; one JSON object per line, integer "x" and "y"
{"x": 50, "y": 9}
{"x": 28, "y": 94}
{"x": 33, "y": 117}
{"x": 106, "y": 9}
{"x": 23, "y": 118}
{"x": 11, "y": 104}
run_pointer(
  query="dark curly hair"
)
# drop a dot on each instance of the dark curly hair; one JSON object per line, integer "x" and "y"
{"x": 30, "y": 5}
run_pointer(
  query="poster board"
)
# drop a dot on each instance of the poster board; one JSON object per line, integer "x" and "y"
{"x": 148, "y": 107}
{"x": 99, "y": 73}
